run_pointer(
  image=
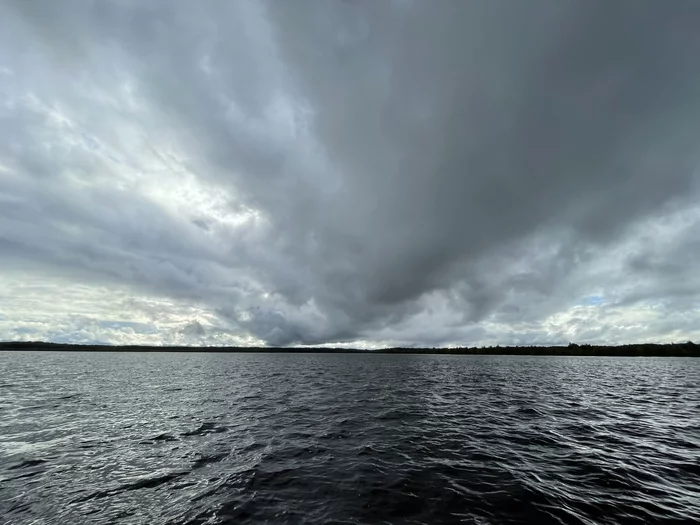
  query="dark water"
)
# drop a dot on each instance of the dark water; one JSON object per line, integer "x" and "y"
{"x": 311, "y": 438}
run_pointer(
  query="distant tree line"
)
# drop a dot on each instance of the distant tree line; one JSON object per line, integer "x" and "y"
{"x": 688, "y": 349}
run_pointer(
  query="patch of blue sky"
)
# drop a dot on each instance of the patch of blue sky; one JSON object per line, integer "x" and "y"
{"x": 90, "y": 142}
{"x": 592, "y": 300}
{"x": 23, "y": 330}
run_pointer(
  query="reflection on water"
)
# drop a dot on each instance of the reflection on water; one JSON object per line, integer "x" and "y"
{"x": 319, "y": 438}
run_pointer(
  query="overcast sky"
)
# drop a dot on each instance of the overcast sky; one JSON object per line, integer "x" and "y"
{"x": 349, "y": 172}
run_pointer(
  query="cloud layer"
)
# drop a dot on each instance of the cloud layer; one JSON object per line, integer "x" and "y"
{"x": 349, "y": 172}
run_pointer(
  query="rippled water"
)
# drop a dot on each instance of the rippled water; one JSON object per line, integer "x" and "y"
{"x": 318, "y": 438}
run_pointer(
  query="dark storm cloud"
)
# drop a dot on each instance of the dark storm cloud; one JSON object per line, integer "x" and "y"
{"x": 402, "y": 155}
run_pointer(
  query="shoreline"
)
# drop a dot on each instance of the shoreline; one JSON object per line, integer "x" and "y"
{"x": 688, "y": 349}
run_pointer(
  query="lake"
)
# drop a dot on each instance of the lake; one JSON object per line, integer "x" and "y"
{"x": 162, "y": 438}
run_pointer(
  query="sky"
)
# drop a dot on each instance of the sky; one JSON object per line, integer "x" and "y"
{"x": 349, "y": 172}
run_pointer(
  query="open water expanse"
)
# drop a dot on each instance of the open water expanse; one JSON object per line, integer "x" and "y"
{"x": 181, "y": 439}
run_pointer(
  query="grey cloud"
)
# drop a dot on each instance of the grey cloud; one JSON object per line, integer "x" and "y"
{"x": 483, "y": 151}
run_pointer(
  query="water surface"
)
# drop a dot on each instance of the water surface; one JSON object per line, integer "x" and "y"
{"x": 321, "y": 438}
